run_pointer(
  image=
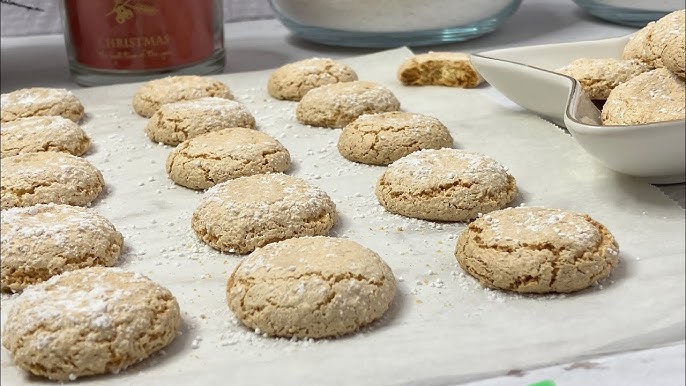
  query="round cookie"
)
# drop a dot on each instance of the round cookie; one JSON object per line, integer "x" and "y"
{"x": 45, "y": 240}
{"x": 89, "y": 321}
{"x": 650, "y": 42}
{"x": 537, "y": 250}
{"x": 653, "y": 96}
{"x": 218, "y": 156}
{"x": 45, "y": 177}
{"x": 379, "y": 139}
{"x": 42, "y": 133}
{"x": 293, "y": 80}
{"x": 158, "y": 92}
{"x": 176, "y": 122}
{"x": 310, "y": 287}
{"x": 240, "y": 215}
{"x": 336, "y": 105}
{"x": 451, "y": 69}
{"x": 29, "y": 102}
{"x": 445, "y": 185}
{"x": 599, "y": 76}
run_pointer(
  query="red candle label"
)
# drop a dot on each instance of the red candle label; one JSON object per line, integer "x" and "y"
{"x": 140, "y": 34}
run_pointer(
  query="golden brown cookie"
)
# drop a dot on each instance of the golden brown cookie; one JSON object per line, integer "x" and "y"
{"x": 29, "y": 102}
{"x": 651, "y": 41}
{"x": 336, "y": 105}
{"x": 453, "y": 69}
{"x": 45, "y": 240}
{"x": 45, "y": 177}
{"x": 445, "y": 185}
{"x": 42, "y": 133}
{"x": 89, "y": 321}
{"x": 537, "y": 250}
{"x": 293, "y": 80}
{"x": 155, "y": 93}
{"x": 599, "y": 76}
{"x": 218, "y": 156}
{"x": 379, "y": 139}
{"x": 176, "y": 122}
{"x": 310, "y": 287}
{"x": 240, "y": 215}
{"x": 654, "y": 96}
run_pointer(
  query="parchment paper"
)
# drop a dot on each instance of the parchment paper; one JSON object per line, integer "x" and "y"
{"x": 443, "y": 327}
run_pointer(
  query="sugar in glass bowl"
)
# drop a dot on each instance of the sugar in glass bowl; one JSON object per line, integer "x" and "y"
{"x": 635, "y": 13}
{"x": 392, "y": 23}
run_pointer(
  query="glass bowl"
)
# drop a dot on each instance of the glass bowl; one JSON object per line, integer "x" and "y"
{"x": 391, "y": 23}
{"x": 635, "y": 13}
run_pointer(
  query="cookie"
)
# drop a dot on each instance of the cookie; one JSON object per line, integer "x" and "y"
{"x": 89, "y": 321}
{"x": 674, "y": 55}
{"x": 42, "y": 133}
{"x": 240, "y": 215}
{"x": 293, "y": 80}
{"x": 599, "y": 76}
{"x": 29, "y": 102}
{"x": 379, "y": 139}
{"x": 310, "y": 287}
{"x": 211, "y": 158}
{"x": 176, "y": 122}
{"x": 445, "y": 185}
{"x": 45, "y": 240}
{"x": 638, "y": 45}
{"x": 453, "y": 69}
{"x": 653, "y": 96}
{"x": 45, "y": 177}
{"x": 155, "y": 93}
{"x": 537, "y": 250}
{"x": 336, "y": 105}
{"x": 649, "y": 43}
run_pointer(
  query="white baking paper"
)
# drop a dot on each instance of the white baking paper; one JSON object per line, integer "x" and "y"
{"x": 443, "y": 327}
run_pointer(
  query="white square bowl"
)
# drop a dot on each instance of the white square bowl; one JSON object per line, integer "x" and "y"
{"x": 526, "y": 76}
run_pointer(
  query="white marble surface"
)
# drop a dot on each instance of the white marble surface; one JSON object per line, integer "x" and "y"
{"x": 265, "y": 44}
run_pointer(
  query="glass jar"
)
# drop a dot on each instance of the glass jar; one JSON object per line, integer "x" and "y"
{"x": 117, "y": 41}
{"x": 392, "y": 23}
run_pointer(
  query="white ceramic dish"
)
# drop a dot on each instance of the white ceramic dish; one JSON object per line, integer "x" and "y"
{"x": 525, "y": 75}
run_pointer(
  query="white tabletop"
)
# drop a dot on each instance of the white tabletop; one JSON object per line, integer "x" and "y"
{"x": 264, "y": 44}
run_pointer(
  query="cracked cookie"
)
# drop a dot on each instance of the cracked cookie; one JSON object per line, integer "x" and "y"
{"x": 599, "y": 76}
{"x": 310, "y": 287}
{"x": 537, "y": 250}
{"x": 29, "y": 102}
{"x": 155, "y": 93}
{"x": 176, "y": 122}
{"x": 379, "y": 139}
{"x": 293, "y": 80}
{"x": 89, "y": 321}
{"x": 445, "y": 185}
{"x": 654, "y": 96}
{"x": 335, "y": 105}
{"x": 242, "y": 214}
{"x": 211, "y": 158}
{"x": 651, "y": 41}
{"x": 42, "y": 133}
{"x": 452, "y": 69}
{"x": 40, "y": 178}
{"x": 45, "y": 240}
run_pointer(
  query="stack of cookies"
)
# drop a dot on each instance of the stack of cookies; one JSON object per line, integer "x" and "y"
{"x": 647, "y": 84}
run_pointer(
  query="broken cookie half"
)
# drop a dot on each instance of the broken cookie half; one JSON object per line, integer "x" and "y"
{"x": 452, "y": 69}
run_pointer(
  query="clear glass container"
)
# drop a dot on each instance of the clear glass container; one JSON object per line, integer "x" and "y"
{"x": 392, "y": 23}
{"x": 634, "y": 13}
{"x": 117, "y": 41}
